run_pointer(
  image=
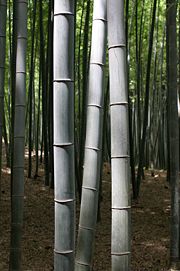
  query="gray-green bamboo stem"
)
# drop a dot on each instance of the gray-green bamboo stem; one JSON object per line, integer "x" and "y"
{"x": 120, "y": 246}
{"x": 63, "y": 99}
{"x": 93, "y": 142}
{"x": 19, "y": 134}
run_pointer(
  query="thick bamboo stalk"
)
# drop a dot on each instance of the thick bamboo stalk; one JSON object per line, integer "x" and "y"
{"x": 120, "y": 246}
{"x": 93, "y": 142}
{"x": 19, "y": 134}
{"x": 3, "y": 14}
{"x": 64, "y": 175}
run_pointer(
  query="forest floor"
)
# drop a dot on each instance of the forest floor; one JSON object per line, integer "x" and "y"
{"x": 150, "y": 225}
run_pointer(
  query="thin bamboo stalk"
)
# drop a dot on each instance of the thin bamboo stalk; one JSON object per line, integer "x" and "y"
{"x": 146, "y": 102}
{"x": 120, "y": 162}
{"x": 85, "y": 62}
{"x": 93, "y": 142}
{"x": 64, "y": 175}
{"x": 30, "y": 90}
{"x": 173, "y": 129}
{"x": 44, "y": 94}
{"x": 3, "y": 15}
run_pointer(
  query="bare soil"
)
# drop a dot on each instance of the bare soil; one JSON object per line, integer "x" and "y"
{"x": 150, "y": 225}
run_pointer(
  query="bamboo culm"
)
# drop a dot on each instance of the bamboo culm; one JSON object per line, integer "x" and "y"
{"x": 93, "y": 141}
{"x": 44, "y": 94}
{"x": 173, "y": 129}
{"x": 19, "y": 135}
{"x": 84, "y": 92}
{"x": 146, "y": 103}
{"x": 63, "y": 114}
{"x": 3, "y": 15}
{"x": 120, "y": 160}
{"x": 31, "y": 88}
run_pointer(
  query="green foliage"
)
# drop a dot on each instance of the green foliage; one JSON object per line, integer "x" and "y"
{"x": 141, "y": 38}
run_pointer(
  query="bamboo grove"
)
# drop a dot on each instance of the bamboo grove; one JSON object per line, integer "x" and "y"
{"x": 83, "y": 83}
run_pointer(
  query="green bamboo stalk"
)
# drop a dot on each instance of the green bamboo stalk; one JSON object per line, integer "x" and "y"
{"x": 120, "y": 162}
{"x": 38, "y": 124}
{"x": 173, "y": 129}
{"x": 19, "y": 135}
{"x": 3, "y": 15}
{"x": 85, "y": 61}
{"x": 44, "y": 94}
{"x": 146, "y": 102}
{"x": 64, "y": 175}
{"x": 30, "y": 90}
{"x": 93, "y": 142}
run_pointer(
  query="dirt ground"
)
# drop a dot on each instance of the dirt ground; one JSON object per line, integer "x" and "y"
{"x": 150, "y": 225}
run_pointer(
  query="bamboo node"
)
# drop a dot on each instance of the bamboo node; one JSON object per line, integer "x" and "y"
{"x": 19, "y": 105}
{"x": 59, "y": 80}
{"x": 121, "y": 208}
{"x": 120, "y": 45}
{"x": 120, "y": 156}
{"x": 97, "y": 63}
{"x": 21, "y": 72}
{"x": 92, "y": 148}
{"x": 90, "y": 188}
{"x": 63, "y": 252}
{"x": 63, "y": 201}
{"x": 61, "y": 145}
{"x": 120, "y": 253}
{"x": 86, "y": 228}
{"x": 119, "y": 103}
{"x": 22, "y": 37}
{"x": 64, "y": 13}
{"x": 95, "y": 105}
{"x": 81, "y": 263}
{"x": 100, "y": 19}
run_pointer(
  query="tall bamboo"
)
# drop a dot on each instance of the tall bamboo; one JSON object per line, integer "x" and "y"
{"x": 31, "y": 75}
{"x": 44, "y": 94}
{"x": 19, "y": 134}
{"x": 64, "y": 175}
{"x": 120, "y": 246}
{"x": 131, "y": 140}
{"x": 93, "y": 142}
{"x": 3, "y": 14}
{"x": 146, "y": 102}
{"x": 85, "y": 61}
{"x": 173, "y": 129}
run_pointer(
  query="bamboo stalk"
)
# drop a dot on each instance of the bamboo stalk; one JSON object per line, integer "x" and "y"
{"x": 93, "y": 142}
{"x": 19, "y": 137}
{"x": 120, "y": 246}
{"x": 173, "y": 129}
{"x": 3, "y": 14}
{"x": 63, "y": 101}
